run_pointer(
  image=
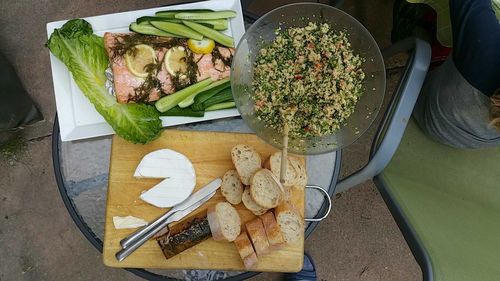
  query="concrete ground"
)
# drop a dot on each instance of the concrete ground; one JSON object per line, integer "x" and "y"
{"x": 38, "y": 239}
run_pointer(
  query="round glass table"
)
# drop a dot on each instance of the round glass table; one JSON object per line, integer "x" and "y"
{"x": 81, "y": 170}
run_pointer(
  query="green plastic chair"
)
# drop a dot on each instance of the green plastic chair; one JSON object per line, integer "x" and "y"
{"x": 447, "y": 204}
{"x": 446, "y": 201}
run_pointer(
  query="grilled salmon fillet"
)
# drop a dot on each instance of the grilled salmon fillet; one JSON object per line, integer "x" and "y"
{"x": 130, "y": 88}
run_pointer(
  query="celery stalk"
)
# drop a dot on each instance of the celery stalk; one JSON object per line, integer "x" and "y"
{"x": 210, "y": 33}
{"x": 222, "y": 105}
{"x": 205, "y": 15}
{"x": 177, "y": 29}
{"x": 219, "y": 24}
{"x": 190, "y": 100}
{"x": 172, "y": 100}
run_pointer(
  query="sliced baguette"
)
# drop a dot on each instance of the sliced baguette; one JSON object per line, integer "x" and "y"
{"x": 253, "y": 207}
{"x": 257, "y": 233}
{"x": 296, "y": 173}
{"x": 265, "y": 189}
{"x": 290, "y": 222}
{"x": 288, "y": 195}
{"x": 224, "y": 221}
{"x": 245, "y": 249}
{"x": 273, "y": 231}
{"x": 273, "y": 163}
{"x": 300, "y": 171}
{"x": 247, "y": 161}
{"x": 232, "y": 188}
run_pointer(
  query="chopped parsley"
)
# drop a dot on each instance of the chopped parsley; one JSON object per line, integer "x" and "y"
{"x": 308, "y": 77}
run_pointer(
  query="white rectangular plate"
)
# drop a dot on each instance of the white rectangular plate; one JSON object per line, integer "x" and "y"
{"x": 78, "y": 118}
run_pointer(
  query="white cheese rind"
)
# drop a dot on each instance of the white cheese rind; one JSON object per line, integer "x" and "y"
{"x": 176, "y": 170}
{"x": 164, "y": 163}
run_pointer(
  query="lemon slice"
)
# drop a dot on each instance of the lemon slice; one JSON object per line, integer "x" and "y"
{"x": 137, "y": 59}
{"x": 204, "y": 46}
{"x": 175, "y": 60}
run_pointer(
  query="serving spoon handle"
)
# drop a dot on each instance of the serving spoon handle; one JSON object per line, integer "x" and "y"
{"x": 284, "y": 154}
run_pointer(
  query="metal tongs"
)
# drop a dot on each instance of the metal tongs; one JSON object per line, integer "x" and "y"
{"x": 138, "y": 238}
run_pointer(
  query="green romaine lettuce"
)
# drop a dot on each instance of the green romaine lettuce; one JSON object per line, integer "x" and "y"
{"x": 84, "y": 55}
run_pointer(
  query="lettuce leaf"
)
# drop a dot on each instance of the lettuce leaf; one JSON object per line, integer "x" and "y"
{"x": 84, "y": 54}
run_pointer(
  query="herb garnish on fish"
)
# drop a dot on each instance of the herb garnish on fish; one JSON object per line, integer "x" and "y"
{"x": 150, "y": 83}
{"x": 181, "y": 67}
{"x": 216, "y": 55}
{"x": 127, "y": 43}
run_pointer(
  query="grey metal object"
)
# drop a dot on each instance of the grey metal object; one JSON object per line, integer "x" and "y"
{"x": 398, "y": 113}
{"x": 191, "y": 200}
{"x": 327, "y": 199}
{"x": 135, "y": 244}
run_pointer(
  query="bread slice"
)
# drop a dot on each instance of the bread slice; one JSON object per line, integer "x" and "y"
{"x": 287, "y": 197}
{"x": 257, "y": 233}
{"x": 224, "y": 221}
{"x": 245, "y": 249}
{"x": 253, "y": 207}
{"x": 296, "y": 173}
{"x": 265, "y": 189}
{"x": 247, "y": 161}
{"x": 290, "y": 222}
{"x": 273, "y": 231}
{"x": 300, "y": 171}
{"x": 232, "y": 188}
{"x": 273, "y": 163}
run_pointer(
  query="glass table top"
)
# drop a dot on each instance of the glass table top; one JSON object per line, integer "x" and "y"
{"x": 84, "y": 167}
{"x": 82, "y": 174}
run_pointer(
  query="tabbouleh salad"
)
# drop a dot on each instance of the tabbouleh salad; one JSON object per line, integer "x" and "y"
{"x": 310, "y": 78}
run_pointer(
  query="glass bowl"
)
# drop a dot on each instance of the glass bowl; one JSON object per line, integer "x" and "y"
{"x": 300, "y": 14}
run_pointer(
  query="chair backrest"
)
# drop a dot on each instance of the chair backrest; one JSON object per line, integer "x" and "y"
{"x": 450, "y": 199}
{"x": 398, "y": 112}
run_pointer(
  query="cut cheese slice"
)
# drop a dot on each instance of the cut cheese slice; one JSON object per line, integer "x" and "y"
{"x": 176, "y": 170}
{"x": 164, "y": 163}
{"x": 128, "y": 222}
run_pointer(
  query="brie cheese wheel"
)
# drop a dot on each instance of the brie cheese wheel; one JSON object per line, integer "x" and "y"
{"x": 179, "y": 174}
{"x": 164, "y": 163}
{"x": 169, "y": 192}
{"x": 128, "y": 222}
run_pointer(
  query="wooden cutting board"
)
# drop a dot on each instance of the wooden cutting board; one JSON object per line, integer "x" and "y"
{"x": 210, "y": 154}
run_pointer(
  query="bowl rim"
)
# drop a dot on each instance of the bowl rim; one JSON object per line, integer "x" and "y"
{"x": 367, "y": 36}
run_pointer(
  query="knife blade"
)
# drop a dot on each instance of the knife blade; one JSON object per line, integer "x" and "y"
{"x": 125, "y": 252}
{"x": 198, "y": 195}
{"x": 180, "y": 215}
{"x": 194, "y": 198}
